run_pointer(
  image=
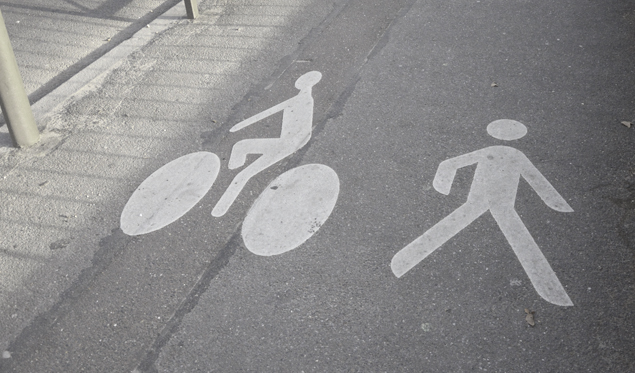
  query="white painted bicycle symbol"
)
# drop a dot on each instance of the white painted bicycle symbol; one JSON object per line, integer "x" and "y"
{"x": 286, "y": 214}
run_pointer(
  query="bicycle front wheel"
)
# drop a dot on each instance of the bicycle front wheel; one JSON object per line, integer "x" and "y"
{"x": 291, "y": 209}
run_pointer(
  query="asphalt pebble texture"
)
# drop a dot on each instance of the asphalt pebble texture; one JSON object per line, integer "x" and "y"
{"x": 406, "y": 85}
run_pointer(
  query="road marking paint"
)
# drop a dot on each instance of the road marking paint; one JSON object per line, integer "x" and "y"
{"x": 291, "y": 209}
{"x": 169, "y": 193}
{"x": 297, "y": 125}
{"x": 493, "y": 189}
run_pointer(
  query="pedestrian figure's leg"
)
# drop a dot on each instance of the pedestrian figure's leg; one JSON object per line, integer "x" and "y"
{"x": 531, "y": 258}
{"x": 239, "y": 182}
{"x": 436, "y": 236}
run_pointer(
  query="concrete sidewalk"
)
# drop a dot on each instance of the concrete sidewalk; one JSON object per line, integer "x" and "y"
{"x": 58, "y": 193}
{"x": 54, "y": 40}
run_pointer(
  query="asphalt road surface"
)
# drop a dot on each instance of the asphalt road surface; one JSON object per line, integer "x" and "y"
{"x": 482, "y": 187}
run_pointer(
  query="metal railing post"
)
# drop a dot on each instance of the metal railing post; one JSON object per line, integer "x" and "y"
{"x": 13, "y": 100}
{"x": 191, "y": 8}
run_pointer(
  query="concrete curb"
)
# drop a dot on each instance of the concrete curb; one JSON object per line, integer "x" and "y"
{"x": 92, "y": 76}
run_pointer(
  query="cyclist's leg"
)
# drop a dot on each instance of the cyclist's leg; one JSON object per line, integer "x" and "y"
{"x": 252, "y": 146}
{"x": 240, "y": 180}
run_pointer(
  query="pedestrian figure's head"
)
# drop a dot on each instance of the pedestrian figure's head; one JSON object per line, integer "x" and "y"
{"x": 308, "y": 80}
{"x": 506, "y": 129}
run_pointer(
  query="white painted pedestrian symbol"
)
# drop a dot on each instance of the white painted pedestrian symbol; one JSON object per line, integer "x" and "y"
{"x": 493, "y": 189}
{"x": 290, "y": 210}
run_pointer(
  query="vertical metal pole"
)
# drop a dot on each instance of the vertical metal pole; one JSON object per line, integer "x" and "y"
{"x": 191, "y": 8}
{"x": 13, "y": 100}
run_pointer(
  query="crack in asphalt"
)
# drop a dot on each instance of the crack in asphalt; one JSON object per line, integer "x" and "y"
{"x": 31, "y": 337}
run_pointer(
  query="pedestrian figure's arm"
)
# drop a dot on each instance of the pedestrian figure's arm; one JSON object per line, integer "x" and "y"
{"x": 260, "y": 116}
{"x": 447, "y": 170}
{"x": 543, "y": 188}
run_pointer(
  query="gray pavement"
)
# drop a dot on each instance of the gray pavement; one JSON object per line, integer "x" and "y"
{"x": 405, "y": 86}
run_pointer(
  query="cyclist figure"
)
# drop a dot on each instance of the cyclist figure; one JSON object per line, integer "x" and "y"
{"x": 297, "y": 125}
{"x": 493, "y": 189}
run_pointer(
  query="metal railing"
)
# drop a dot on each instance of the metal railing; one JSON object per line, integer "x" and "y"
{"x": 191, "y": 8}
{"x": 13, "y": 99}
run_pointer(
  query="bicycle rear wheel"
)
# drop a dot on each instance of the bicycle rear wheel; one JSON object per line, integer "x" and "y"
{"x": 169, "y": 193}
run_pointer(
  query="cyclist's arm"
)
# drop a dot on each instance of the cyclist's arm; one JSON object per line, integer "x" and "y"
{"x": 260, "y": 116}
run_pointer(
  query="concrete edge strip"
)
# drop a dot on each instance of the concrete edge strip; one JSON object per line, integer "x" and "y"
{"x": 92, "y": 76}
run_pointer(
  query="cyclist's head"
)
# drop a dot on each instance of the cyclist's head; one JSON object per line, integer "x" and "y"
{"x": 308, "y": 80}
{"x": 506, "y": 129}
